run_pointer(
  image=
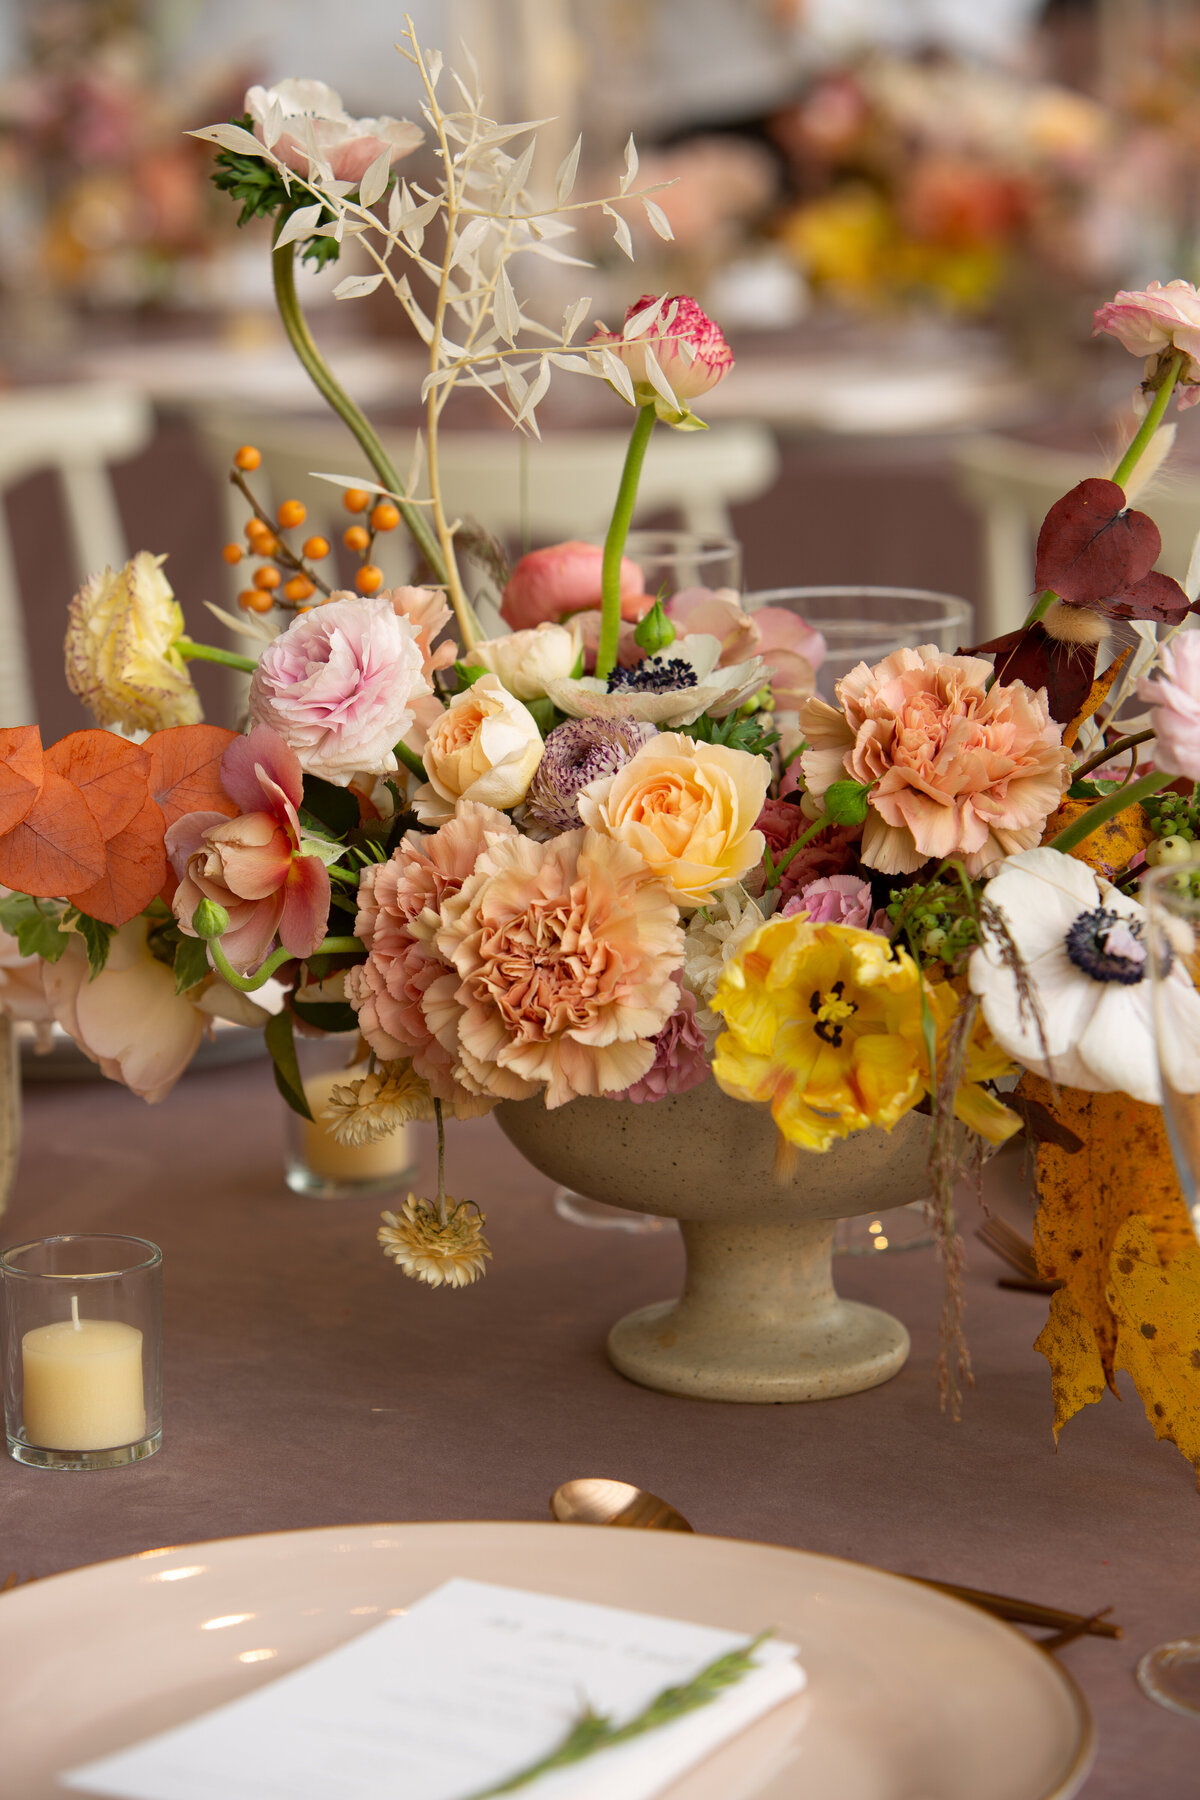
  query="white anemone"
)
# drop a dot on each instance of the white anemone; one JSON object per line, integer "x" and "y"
{"x": 672, "y": 687}
{"x": 1083, "y": 947}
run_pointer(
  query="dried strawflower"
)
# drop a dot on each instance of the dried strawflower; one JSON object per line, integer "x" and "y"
{"x": 449, "y": 1253}
{"x": 373, "y": 1106}
{"x": 580, "y": 751}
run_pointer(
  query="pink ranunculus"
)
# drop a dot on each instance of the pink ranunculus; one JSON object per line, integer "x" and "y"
{"x": 300, "y": 119}
{"x": 792, "y": 651}
{"x": 833, "y": 900}
{"x": 589, "y": 623}
{"x": 1149, "y": 320}
{"x": 129, "y": 1018}
{"x": 340, "y": 685}
{"x": 399, "y": 906}
{"x": 955, "y": 767}
{"x": 1174, "y": 696}
{"x": 680, "y": 1057}
{"x": 548, "y": 584}
{"x": 254, "y": 865}
{"x": 690, "y": 349}
{"x": 718, "y": 612}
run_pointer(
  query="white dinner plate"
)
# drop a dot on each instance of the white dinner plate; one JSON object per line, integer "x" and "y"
{"x": 911, "y": 1695}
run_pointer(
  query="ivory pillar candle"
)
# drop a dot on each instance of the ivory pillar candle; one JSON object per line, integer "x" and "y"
{"x": 83, "y": 1384}
{"x": 390, "y": 1155}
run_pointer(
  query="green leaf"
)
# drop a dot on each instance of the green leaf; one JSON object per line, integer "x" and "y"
{"x": 468, "y": 674}
{"x": 846, "y": 802}
{"x": 326, "y": 1015}
{"x": 36, "y": 926}
{"x": 545, "y": 714}
{"x": 281, "y": 1044}
{"x": 334, "y": 809}
{"x": 96, "y": 935}
{"x": 734, "y": 733}
{"x": 191, "y": 963}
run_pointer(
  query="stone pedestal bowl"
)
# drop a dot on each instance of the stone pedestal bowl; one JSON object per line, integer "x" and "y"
{"x": 759, "y": 1318}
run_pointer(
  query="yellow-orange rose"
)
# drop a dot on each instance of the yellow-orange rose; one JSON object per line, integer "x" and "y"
{"x": 688, "y": 809}
{"x": 486, "y": 747}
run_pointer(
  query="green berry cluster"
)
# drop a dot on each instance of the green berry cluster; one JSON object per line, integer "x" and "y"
{"x": 936, "y": 919}
{"x": 1175, "y": 821}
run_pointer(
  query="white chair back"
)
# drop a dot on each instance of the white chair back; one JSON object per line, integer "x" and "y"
{"x": 77, "y": 431}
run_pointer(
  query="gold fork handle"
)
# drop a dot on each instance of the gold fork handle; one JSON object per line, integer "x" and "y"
{"x": 1023, "y": 1612}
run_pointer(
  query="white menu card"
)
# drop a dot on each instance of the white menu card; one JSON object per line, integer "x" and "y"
{"x": 472, "y": 1684}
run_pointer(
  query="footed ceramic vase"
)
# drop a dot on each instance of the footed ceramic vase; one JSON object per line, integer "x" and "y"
{"x": 759, "y": 1318}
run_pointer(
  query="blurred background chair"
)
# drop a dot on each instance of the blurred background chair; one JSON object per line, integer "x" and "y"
{"x": 1013, "y": 485}
{"x": 525, "y": 491}
{"x": 77, "y": 431}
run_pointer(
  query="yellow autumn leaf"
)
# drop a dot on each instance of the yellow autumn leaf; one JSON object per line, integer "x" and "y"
{"x": 1097, "y": 695}
{"x": 1110, "y": 847}
{"x": 1085, "y": 1197}
{"x": 1156, "y": 1306}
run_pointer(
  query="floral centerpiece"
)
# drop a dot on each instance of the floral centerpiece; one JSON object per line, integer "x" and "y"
{"x": 625, "y": 849}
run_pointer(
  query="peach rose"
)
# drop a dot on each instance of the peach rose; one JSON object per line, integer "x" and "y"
{"x": 486, "y": 746}
{"x": 955, "y": 769}
{"x": 526, "y": 661}
{"x": 688, "y": 809}
{"x": 564, "y": 957}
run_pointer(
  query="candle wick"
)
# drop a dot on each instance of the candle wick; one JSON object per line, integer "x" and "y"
{"x": 75, "y": 1312}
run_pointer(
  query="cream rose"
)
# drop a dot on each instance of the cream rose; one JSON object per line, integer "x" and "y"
{"x": 486, "y": 747}
{"x": 689, "y": 811}
{"x": 121, "y": 659}
{"x": 526, "y": 661}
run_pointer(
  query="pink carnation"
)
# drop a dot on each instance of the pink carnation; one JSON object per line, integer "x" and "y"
{"x": 680, "y": 1057}
{"x": 398, "y": 915}
{"x": 340, "y": 684}
{"x": 1174, "y": 695}
{"x": 833, "y": 900}
{"x": 1150, "y": 320}
{"x": 955, "y": 768}
{"x": 549, "y": 584}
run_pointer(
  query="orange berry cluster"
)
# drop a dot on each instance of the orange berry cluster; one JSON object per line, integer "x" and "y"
{"x": 285, "y": 579}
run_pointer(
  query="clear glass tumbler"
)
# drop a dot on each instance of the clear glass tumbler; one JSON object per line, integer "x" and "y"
{"x": 316, "y": 1164}
{"x": 865, "y": 624}
{"x": 671, "y": 561}
{"x": 82, "y": 1317}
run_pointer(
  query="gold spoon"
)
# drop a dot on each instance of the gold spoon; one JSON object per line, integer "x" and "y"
{"x": 593, "y": 1500}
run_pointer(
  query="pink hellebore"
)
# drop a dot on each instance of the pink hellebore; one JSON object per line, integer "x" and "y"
{"x": 548, "y": 584}
{"x": 256, "y": 866}
{"x": 1153, "y": 319}
{"x": 791, "y": 650}
{"x": 299, "y": 119}
{"x": 688, "y": 348}
{"x": 1174, "y": 695}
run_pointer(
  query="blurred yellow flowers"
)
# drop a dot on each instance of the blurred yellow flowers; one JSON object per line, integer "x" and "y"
{"x": 121, "y": 654}
{"x": 826, "y": 1023}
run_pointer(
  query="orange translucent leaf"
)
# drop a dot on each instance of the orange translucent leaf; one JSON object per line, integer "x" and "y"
{"x": 1085, "y": 1198}
{"x": 57, "y": 848}
{"x": 20, "y": 772}
{"x": 185, "y": 770}
{"x": 109, "y": 772}
{"x": 1156, "y": 1303}
{"x": 1109, "y": 848}
{"x": 1097, "y": 696}
{"x": 134, "y": 871}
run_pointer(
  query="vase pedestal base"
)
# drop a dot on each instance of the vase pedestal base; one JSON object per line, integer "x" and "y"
{"x": 759, "y": 1320}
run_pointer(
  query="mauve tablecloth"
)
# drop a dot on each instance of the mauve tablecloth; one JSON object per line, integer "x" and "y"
{"x": 308, "y": 1383}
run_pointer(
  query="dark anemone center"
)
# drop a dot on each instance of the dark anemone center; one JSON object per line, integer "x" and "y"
{"x": 1087, "y": 947}
{"x": 652, "y": 677}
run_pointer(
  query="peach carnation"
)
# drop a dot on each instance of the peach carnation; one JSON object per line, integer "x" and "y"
{"x": 398, "y": 915}
{"x": 564, "y": 959}
{"x": 954, "y": 769}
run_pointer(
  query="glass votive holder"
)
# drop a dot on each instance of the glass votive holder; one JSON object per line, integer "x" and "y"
{"x": 865, "y": 624}
{"x": 672, "y": 561}
{"x": 315, "y": 1163}
{"x": 82, "y": 1329}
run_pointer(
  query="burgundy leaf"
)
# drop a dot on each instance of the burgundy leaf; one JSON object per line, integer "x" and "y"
{"x": 1155, "y": 596}
{"x": 1066, "y": 671}
{"x": 1091, "y": 549}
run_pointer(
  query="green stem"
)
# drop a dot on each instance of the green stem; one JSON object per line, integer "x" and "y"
{"x": 614, "y": 543}
{"x": 441, "y": 1175}
{"x": 1108, "y": 808}
{"x": 804, "y": 838}
{"x": 247, "y": 984}
{"x": 411, "y": 761}
{"x": 1151, "y": 422}
{"x": 210, "y": 653}
{"x": 319, "y": 372}
{"x": 1126, "y": 466}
